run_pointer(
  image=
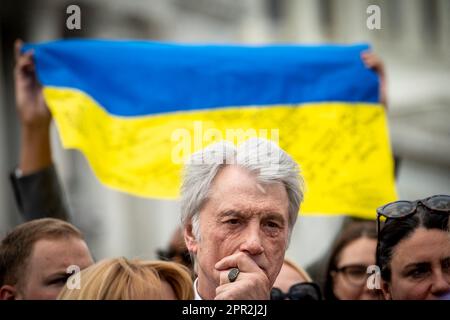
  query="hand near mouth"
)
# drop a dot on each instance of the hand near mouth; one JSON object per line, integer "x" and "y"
{"x": 251, "y": 283}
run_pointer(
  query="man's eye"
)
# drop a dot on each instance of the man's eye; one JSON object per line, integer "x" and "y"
{"x": 232, "y": 221}
{"x": 58, "y": 281}
{"x": 446, "y": 265}
{"x": 272, "y": 224}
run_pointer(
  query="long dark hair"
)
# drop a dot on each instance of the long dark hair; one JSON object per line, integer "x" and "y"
{"x": 396, "y": 230}
{"x": 353, "y": 231}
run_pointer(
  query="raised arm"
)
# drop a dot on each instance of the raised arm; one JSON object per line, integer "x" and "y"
{"x": 374, "y": 62}
{"x": 35, "y": 181}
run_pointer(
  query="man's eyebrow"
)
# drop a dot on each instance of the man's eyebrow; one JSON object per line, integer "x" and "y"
{"x": 274, "y": 216}
{"x": 242, "y": 214}
{"x": 233, "y": 213}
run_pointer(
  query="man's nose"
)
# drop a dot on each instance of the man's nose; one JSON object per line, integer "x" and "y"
{"x": 252, "y": 242}
{"x": 441, "y": 283}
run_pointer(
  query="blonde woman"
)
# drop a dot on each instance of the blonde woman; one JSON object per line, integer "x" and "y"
{"x": 123, "y": 279}
{"x": 294, "y": 283}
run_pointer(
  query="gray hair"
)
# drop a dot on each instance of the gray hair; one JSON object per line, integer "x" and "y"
{"x": 270, "y": 163}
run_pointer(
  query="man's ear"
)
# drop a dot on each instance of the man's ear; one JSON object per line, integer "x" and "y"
{"x": 386, "y": 289}
{"x": 189, "y": 238}
{"x": 8, "y": 292}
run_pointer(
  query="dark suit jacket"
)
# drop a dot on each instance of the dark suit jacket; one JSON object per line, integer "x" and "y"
{"x": 40, "y": 195}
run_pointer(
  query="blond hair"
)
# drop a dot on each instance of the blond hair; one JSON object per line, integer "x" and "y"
{"x": 299, "y": 269}
{"x": 123, "y": 279}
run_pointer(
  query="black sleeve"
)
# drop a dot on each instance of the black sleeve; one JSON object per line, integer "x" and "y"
{"x": 40, "y": 195}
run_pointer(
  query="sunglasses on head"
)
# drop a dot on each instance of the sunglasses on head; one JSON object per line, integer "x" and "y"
{"x": 299, "y": 291}
{"x": 171, "y": 255}
{"x": 402, "y": 209}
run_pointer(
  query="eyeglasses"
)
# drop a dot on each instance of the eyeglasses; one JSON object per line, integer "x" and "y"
{"x": 355, "y": 274}
{"x": 308, "y": 291}
{"x": 403, "y": 209}
{"x": 175, "y": 255}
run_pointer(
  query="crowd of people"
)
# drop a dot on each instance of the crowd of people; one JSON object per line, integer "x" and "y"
{"x": 237, "y": 219}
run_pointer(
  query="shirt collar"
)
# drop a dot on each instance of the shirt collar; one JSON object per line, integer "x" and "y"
{"x": 196, "y": 295}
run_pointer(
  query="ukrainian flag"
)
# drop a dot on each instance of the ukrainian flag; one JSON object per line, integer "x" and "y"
{"x": 137, "y": 109}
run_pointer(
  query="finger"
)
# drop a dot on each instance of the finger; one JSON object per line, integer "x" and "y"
{"x": 367, "y": 57}
{"x": 250, "y": 287}
{"x": 223, "y": 296}
{"x": 17, "y": 47}
{"x": 222, "y": 291}
{"x": 371, "y": 59}
{"x": 238, "y": 260}
{"x": 366, "y": 54}
{"x": 25, "y": 62}
{"x": 231, "y": 291}
{"x": 369, "y": 64}
{"x": 27, "y": 56}
{"x": 223, "y": 276}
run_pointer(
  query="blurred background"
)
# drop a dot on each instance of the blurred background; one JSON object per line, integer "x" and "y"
{"x": 414, "y": 43}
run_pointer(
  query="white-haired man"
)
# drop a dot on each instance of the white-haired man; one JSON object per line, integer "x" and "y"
{"x": 239, "y": 206}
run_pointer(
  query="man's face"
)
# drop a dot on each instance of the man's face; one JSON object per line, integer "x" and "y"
{"x": 241, "y": 215}
{"x": 45, "y": 273}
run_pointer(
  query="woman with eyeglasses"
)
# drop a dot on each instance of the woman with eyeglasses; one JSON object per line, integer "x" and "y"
{"x": 353, "y": 252}
{"x": 414, "y": 249}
